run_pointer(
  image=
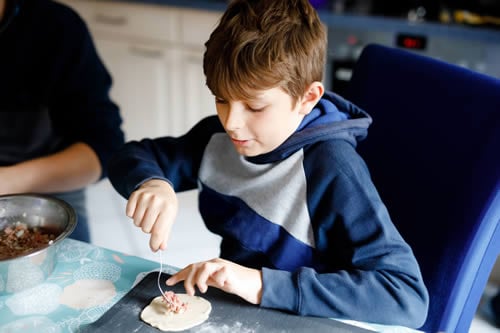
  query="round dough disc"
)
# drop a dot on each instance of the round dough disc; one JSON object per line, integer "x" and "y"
{"x": 156, "y": 314}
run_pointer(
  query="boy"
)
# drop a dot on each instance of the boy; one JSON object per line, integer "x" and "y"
{"x": 303, "y": 228}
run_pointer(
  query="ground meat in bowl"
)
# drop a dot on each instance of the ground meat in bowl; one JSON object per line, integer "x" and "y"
{"x": 19, "y": 239}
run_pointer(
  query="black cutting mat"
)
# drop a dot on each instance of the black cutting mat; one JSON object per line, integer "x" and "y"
{"x": 229, "y": 314}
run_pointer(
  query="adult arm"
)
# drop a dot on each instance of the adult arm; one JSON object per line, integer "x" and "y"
{"x": 81, "y": 110}
{"x": 70, "y": 169}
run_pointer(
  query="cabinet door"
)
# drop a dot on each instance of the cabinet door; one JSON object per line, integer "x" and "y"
{"x": 140, "y": 85}
{"x": 192, "y": 100}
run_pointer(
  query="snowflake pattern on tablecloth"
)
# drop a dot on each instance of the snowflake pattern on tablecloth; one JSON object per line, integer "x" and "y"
{"x": 40, "y": 300}
{"x": 98, "y": 254}
{"x": 72, "y": 251}
{"x": 86, "y": 317}
{"x": 23, "y": 274}
{"x": 40, "y": 310}
{"x": 36, "y": 324}
{"x": 98, "y": 271}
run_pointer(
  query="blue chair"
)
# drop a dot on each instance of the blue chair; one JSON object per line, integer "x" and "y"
{"x": 433, "y": 151}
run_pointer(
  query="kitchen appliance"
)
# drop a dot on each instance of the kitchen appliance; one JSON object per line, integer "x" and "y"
{"x": 475, "y": 48}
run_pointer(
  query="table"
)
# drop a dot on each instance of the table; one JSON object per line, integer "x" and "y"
{"x": 87, "y": 281}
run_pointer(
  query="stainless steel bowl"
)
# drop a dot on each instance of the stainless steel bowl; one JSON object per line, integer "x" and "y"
{"x": 30, "y": 269}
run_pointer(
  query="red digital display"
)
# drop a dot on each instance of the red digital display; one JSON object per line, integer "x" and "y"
{"x": 413, "y": 42}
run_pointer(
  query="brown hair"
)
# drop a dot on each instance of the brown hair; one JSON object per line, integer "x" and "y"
{"x": 262, "y": 44}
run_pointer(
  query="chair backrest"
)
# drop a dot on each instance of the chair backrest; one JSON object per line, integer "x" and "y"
{"x": 433, "y": 151}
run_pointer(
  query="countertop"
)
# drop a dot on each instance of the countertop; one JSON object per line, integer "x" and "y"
{"x": 354, "y": 21}
{"x": 212, "y": 5}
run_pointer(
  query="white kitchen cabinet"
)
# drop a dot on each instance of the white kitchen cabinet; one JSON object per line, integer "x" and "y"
{"x": 141, "y": 85}
{"x": 193, "y": 99}
{"x": 154, "y": 54}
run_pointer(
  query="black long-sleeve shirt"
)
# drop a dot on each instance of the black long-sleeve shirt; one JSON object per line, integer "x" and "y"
{"x": 54, "y": 89}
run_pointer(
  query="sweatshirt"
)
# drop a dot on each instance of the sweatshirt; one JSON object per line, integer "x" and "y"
{"x": 54, "y": 88}
{"x": 307, "y": 214}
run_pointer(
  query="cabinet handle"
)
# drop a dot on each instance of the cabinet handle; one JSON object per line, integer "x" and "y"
{"x": 110, "y": 20}
{"x": 148, "y": 53}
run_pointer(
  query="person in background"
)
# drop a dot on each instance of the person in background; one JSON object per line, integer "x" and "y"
{"x": 58, "y": 126}
{"x": 303, "y": 228}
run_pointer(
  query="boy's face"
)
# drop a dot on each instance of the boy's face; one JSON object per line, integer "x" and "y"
{"x": 261, "y": 124}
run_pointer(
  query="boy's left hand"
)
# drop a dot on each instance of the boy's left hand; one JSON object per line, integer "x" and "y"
{"x": 223, "y": 274}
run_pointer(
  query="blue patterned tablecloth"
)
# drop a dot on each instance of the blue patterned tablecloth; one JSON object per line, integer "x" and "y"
{"x": 86, "y": 282}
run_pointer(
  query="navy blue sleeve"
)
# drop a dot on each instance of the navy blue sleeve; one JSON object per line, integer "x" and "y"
{"x": 79, "y": 102}
{"x": 373, "y": 275}
{"x": 174, "y": 159}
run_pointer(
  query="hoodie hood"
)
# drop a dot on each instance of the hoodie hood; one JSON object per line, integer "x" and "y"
{"x": 333, "y": 118}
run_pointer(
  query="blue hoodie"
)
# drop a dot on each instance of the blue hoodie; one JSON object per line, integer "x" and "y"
{"x": 306, "y": 213}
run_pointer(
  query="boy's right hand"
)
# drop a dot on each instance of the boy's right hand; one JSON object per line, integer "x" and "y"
{"x": 153, "y": 207}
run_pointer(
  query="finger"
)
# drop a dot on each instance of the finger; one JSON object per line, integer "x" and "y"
{"x": 202, "y": 278}
{"x": 177, "y": 277}
{"x": 148, "y": 220}
{"x": 152, "y": 245}
{"x": 160, "y": 232}
{"x": 189, "y": 283}
{"x": 131, "y": 204}
{"x": 219, "y": 278}
{"x": 139, "y": 212}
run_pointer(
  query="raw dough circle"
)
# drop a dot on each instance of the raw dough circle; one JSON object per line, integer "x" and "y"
{"x": 157, "y": 315}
